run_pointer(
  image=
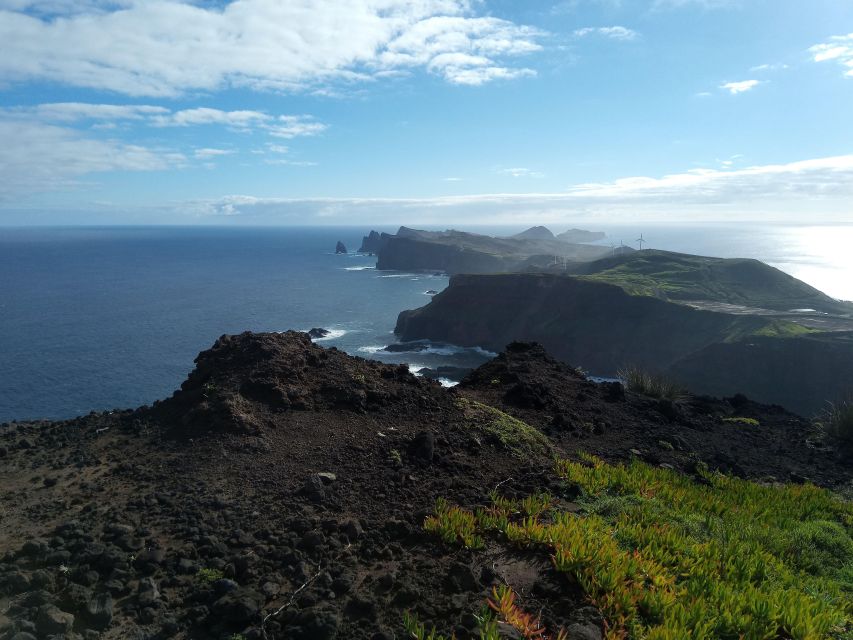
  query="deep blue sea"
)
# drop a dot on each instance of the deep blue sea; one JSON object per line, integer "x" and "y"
{"x": 101, "y": 318}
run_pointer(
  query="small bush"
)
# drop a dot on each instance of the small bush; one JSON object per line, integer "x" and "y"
{"x": 750, "y": 422}
{"x": 209, "y": 575}
{"x": 650, "y": 384}
{"x": 838, "y": 420}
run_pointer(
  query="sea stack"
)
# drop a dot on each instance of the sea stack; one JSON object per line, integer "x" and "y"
{"x": 340, "y": 247}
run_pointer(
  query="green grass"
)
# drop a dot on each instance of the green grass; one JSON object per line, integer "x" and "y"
{"x": 667, "y": 558}
{"x": 207, "y": 575}
{"x": 784, "y": 329}
{"x": 518, "y": 437}
{"x": 750, "y": 422}
{"x": 650, "y": 384}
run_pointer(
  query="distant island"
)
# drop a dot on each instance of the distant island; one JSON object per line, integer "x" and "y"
{"x": 456, "y": 252}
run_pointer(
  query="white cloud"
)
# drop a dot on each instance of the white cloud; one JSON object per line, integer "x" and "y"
{"x": 207, "y": 153}
{"x": 811, "y": 190}
{"x": 73, "y": 111}
{"x": 769, "y": 67}
{"x": 743, "y": 86}
{"x": 615, "y": 32}
{"x": 520, "y": 172}
{"x": 837, "y": 48}
{"x": 171, "y": 47}
{"x": 205, "y": 115}
{"x": 43, "y": 157}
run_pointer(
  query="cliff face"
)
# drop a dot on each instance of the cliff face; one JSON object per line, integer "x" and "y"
{"x": 601, "y": 328}
{"x": 371, "y": 243}
{"x": 596, "y": 326}
{"x": 412, "y": 254}
{"x": 800, "y": 373}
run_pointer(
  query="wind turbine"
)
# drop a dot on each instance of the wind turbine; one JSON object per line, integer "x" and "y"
{"x": 641, "y": 241}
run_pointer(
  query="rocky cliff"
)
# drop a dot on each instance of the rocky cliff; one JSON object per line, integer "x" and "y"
{"x": 601, "y": 327}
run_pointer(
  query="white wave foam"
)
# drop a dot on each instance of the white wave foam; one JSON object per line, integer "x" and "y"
{"x": 359, "y": 268}
{"x": 414, "y": 276}
{"x": 371, "y": 349}
{"x": 333, "y": 333}
{"x": 447, "y": 382}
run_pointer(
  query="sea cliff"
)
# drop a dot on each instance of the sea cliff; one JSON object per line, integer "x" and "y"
{"x": 601, "y": 327}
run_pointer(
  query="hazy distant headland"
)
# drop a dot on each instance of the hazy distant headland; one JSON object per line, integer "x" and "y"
{"x": 455, "y": 251}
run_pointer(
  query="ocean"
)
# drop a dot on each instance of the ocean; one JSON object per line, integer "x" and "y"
{"x": 101, "y": 318}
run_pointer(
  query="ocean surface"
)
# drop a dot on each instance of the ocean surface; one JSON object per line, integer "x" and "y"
{"x": 102, "y": 318}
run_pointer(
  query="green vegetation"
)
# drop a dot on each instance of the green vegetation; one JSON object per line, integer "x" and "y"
{"x": 453, "y": 525}
{"x": 501, "y": 609}
{"x": 676, "y": 276}
{"x": 784, "y": 329}
{"x": 752, "y": 422}
{"x": 838, "y": 420}
{"x": 667, "y": 558}
{"x": 513, "y": 434}
{"x": 208, "y": 575}
{"x": 650, "y": 384}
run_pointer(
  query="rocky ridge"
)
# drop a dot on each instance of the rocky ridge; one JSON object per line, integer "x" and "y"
{"x": 281, "y": 492}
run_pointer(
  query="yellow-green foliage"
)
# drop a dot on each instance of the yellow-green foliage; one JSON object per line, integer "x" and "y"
{"x": 667, "y": 558}
{"x": 517, "y": 436}
{"x": 209, "y": 575}
{"x": 453, "y": 525}
{"x": 751, "y": 422}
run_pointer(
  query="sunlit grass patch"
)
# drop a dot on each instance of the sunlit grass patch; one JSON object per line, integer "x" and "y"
{"x": 750, "y": 422}
{"x": 665, "y": 557}
{"x": 518, "y": 437}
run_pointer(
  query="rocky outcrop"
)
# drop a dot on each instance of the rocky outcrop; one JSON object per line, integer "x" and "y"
{"x": 602, "y": 328}
{"x": 371, "y": 243}
{"x": 340, "y": 247}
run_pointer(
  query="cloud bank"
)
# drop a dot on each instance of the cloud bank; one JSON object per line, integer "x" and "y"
{"x": 170, "y": 47}
{"x": 817, "y": 190}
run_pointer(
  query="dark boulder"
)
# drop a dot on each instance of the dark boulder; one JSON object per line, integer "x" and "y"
{"x": 340, "y": 247}
{"x": 317, "y": 332}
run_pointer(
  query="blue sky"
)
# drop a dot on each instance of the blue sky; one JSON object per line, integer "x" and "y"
{"x": 425, "y": 112}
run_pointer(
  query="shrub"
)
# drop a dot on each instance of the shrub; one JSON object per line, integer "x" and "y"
{"x": 750, "y": 422}
{"x": 650, "y": 384}
{"x": 209, "y": 575}
{"x": 838, "y": 420}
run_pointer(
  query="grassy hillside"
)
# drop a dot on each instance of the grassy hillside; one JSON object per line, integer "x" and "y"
{"x": 683, "y": 277}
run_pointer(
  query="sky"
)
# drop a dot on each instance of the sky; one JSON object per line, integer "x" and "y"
{"x": 302, "y": 112}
